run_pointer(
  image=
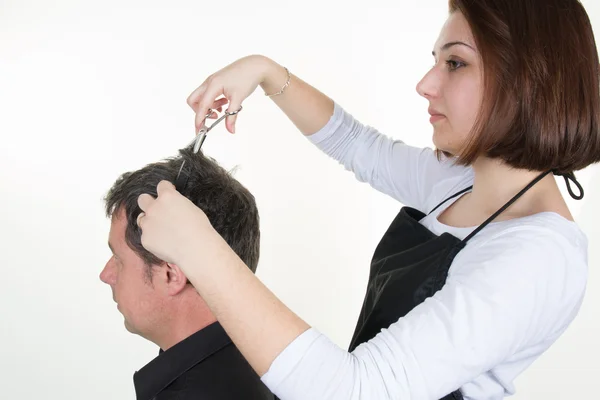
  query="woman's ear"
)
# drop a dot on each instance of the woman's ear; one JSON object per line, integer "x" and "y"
{"x": 176, "y": 279}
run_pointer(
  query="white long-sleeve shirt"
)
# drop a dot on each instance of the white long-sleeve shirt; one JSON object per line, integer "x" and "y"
{"x": 510, "y": 293}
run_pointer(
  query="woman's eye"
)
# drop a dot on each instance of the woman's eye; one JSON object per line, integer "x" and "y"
{"x": 454, "y": 64}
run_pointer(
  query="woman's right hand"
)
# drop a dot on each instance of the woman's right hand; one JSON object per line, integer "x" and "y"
{"x": 235, "y": 82}
{"x": 304, "y": 105}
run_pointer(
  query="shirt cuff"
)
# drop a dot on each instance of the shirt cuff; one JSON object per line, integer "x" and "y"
{"x": 337, "y": 118}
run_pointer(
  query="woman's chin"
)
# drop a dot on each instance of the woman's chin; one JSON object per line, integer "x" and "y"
{"x": 443, "y": 145}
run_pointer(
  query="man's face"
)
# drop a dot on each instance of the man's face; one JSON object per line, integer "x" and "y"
{"x": 132, "y": 290}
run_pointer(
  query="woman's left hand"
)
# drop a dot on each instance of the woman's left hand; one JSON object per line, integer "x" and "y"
{"x": 258, "y": 322}
{"x": 172, "y": 226}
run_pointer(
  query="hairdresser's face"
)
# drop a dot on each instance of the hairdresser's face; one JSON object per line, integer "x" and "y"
{"x": 453, "y": 86}
{"x": 137, "y": 298}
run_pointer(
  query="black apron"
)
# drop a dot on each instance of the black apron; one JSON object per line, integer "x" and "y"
{"x": 411, "y": 264}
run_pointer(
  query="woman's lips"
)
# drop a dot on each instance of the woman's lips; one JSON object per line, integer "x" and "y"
{"x": 436, "y": 117}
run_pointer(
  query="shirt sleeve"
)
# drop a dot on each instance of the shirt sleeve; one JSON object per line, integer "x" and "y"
{"x": 409, "y": 174}
{"x": 514, "y": 295}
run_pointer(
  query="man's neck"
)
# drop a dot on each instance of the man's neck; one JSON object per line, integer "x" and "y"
{"x": 183, "y": 320}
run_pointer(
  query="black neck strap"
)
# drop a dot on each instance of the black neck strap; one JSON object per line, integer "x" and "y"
{"x": 570, "y": 176}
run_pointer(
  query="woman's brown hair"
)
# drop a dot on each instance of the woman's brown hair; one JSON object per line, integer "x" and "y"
{"x": 541, "y": 103}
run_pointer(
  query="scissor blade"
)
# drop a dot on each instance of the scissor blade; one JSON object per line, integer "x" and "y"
{"x": 199, "y": 140}
{"x": 181, "y": 180}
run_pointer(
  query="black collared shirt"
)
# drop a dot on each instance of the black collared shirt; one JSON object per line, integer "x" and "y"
{"x": 204, "y": 366}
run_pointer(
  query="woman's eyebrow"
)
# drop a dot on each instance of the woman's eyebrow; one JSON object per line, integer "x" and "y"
{"x": 456, "y": 43}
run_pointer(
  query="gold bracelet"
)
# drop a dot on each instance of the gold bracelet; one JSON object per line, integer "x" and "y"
{"x": 287, "y": 83}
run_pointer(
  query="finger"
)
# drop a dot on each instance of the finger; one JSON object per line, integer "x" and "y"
{"x": 204, "y": 104}
{"x": 194, "y": 98}
{"x": 215, "y": 114}
{"x": 219, "y": 103}
{"x": 138, "y": 221}
{"x": 164, "y": 187}
{"x": 234, "y": 105}
{"x": 145, "y": 201}
{"x": 218, "y": 106}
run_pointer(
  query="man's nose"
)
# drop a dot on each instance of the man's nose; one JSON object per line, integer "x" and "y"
{"x": 107, "y": 274}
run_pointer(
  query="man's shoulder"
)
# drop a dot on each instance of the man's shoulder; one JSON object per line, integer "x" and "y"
{"x": 224, "y": 375}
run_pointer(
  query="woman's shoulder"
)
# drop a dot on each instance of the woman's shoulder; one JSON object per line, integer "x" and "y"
{"x": 537, "y": 264}
{"x": 544, "y": 243}
{"x": 538, "y": 231}
{"x": 451, "y": 180}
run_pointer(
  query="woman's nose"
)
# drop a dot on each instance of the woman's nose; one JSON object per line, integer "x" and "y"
{"x": 429, "y": 85}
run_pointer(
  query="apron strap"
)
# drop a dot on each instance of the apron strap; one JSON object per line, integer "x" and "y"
{"x": 504, "y": 207}
{"x": 451, "y": 197}
{"x": 570, "y": 176}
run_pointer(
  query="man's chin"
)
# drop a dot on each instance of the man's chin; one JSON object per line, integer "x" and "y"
{"x": 129, "y": 327}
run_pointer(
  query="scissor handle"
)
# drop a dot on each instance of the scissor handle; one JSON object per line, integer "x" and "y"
{"x": 234, "y": 112}
{"x": 198, "y": 140}
{"x": 225, "y": 115}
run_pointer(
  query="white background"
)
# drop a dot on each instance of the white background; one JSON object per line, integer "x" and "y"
{"x": 89, "y": 90}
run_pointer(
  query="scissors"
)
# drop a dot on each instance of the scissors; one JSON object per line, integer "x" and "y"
{"x": 198, "y": 141}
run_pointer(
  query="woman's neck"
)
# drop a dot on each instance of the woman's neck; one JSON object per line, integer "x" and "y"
{"x": 496, "y": 183}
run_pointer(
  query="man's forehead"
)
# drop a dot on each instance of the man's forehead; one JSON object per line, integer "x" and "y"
{"x": 118, "y": 214}
{"x": 118, "y": 224}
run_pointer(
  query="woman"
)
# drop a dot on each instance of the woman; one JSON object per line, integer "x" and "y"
{"x": 482, "y": 270}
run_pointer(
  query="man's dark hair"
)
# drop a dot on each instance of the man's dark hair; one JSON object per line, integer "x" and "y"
{"x": 229, "y": 206}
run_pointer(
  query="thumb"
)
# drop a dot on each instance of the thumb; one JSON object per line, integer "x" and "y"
{"x": 235, "y": 105}
{"x": 202, "y": 112}
{"x": 145, "y": 201}
{"x": 163, "y": 187}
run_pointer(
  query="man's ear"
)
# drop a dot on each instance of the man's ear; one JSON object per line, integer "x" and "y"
{"x": 176, "y": 280}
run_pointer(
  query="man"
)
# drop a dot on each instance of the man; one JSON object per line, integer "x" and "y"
{"x": 197, "y": 360}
